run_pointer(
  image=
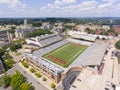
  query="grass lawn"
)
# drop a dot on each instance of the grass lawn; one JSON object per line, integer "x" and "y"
{"x": 18, "y": 54}
{"x": 19, "y": 41}
{"x": 66, "y": 54}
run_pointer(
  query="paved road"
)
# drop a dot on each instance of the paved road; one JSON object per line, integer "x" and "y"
{"x": 29, "y": 77}
{"x": 68, "y": 79}
{"x": 107, "y": 73}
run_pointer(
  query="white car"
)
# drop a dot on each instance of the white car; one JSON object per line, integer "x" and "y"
{"x": 107, "y": 85}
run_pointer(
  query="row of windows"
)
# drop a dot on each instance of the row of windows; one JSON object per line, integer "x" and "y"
{"x": 45, "y": 71}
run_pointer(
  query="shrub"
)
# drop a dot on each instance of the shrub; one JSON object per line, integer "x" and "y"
{"x": 9, "y": 63}
{"x": 24, "y": 64}
{"x": 97, "y": 37}
{"x": 44, "y": 79}
{"x": 32, "y": 70}
{"x": 38, "y": 74}
{"x": 52, "y": 85}
{"x": 103, "y": 38}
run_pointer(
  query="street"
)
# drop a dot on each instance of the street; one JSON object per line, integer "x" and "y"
{"x": 30, "y": 79}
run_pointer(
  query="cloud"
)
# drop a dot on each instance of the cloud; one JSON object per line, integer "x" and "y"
{"x": 85, "y": 8}
{"x": 64, "y": 8}
{"x": 68, "y": 1}
{"x": 59, "y": 3}
{"x": 13, "y": 3}
{"x": 104, "y": 6}
{"x": 110, "y": 1}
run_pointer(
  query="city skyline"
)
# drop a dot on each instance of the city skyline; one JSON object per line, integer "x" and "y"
{"x": 59, "y": 8}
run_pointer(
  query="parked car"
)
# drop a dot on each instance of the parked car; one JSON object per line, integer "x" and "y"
{"x": 107, "y": 85}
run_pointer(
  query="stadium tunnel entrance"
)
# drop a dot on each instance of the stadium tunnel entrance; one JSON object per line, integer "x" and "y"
{"x": 70, "y": 77}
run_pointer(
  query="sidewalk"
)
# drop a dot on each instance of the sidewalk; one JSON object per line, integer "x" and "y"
{"x": 45, "y": 83}
{"x": 115, "y": 72}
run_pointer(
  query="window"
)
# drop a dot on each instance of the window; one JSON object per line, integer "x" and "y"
{"x": 52, "y": 76}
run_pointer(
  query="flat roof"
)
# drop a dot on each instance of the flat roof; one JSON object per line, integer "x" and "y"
{"x": 93, "y": 55}
{"x": 85, "y": 36}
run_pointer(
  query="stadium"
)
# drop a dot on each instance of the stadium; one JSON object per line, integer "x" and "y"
{"x": 66, "y": 54}
{"x": 59, "y": 56}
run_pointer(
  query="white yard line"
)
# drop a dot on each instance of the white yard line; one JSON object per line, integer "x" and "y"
{"x": 76, "y": 54}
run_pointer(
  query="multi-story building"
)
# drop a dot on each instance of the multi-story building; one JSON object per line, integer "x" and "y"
{"x": 56, "y": 72}
{"x": 5, "y": 36}
{"x": 1, "y": 67}
{"x": 22, "y": 33}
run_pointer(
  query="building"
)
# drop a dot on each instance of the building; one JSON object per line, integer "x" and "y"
{"x": 85, "y": 36}
{"x": 57, "y": 73}
{"x": 25, "y": 22}
{"x": 1, "y": 67}
{"x": 45, "y": 25}
{"x": 5, "y": 36}
{"x": 117, "y": 28}
{"x": 44, "y": 40}
{"x": 23, "y": 32}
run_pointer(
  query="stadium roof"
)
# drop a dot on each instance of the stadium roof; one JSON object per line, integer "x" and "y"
{"x": 46, "y": 36}
{"x": 84, "y": 36}
{"x": 91, "y": 56}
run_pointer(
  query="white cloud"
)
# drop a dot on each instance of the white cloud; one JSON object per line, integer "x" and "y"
{"x": 68, "y": 1}
{"x": 110, "y": 1}
{"x": 85, "y": 8}
{"x": 67, "y": 8}
{"x": 59, "y": 3}
{"x": 104, "y": 6}
{"x": 89, "y": 3}
{"x": 13, "y": 3}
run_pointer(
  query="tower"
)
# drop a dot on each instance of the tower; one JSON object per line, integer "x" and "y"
{"x": 25, "y": 22}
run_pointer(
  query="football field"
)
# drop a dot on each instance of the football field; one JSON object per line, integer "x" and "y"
{"x": 66, "y": 54}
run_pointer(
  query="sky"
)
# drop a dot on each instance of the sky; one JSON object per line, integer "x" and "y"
{"x": 59, "y": 8}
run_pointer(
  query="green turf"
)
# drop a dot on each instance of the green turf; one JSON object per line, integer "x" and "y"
{"x": 68, "y": 53}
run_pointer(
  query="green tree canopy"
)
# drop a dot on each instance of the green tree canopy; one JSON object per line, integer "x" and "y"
{"x": 117, "y": 45}
{"x": 7, "y": 80}
{"x": 39, "y": 32}
{"x": 17, "y": 79}
{"x": 15, "y": 47}
{"x": 2, "y": 51}
{"x": 9, "y": 63}
{"x": 25, "y": 86}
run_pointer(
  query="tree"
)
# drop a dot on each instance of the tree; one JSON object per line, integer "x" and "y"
{"x": 52, "y": 85}
{"x": 25, "y": 86}
{"x": 116, "y": 33}
{"x": 38, "y": 74}
{"x": 7, "y": 56}
{"x": 13, "y": 48}
{"x": 24, "y": 64}
{"x": 39, "y": 32}
{"x": 98, "y": 37}
{"x": 9, "y": 63}
{"x": 103, "y": 38}
{"x": 16, "y": 87}
{"x": 12, "y": 30}
{"x": 2, "y": 51}
{"x": 17, "y": 79}
{"x": 105, "y": 33}
{"x": 7, "y": 80}
{"x": 44, "y": 79}
{"x": 117, "y": 44}
{"x": 32, "y": 70}
{"x": 87, "y": 29}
